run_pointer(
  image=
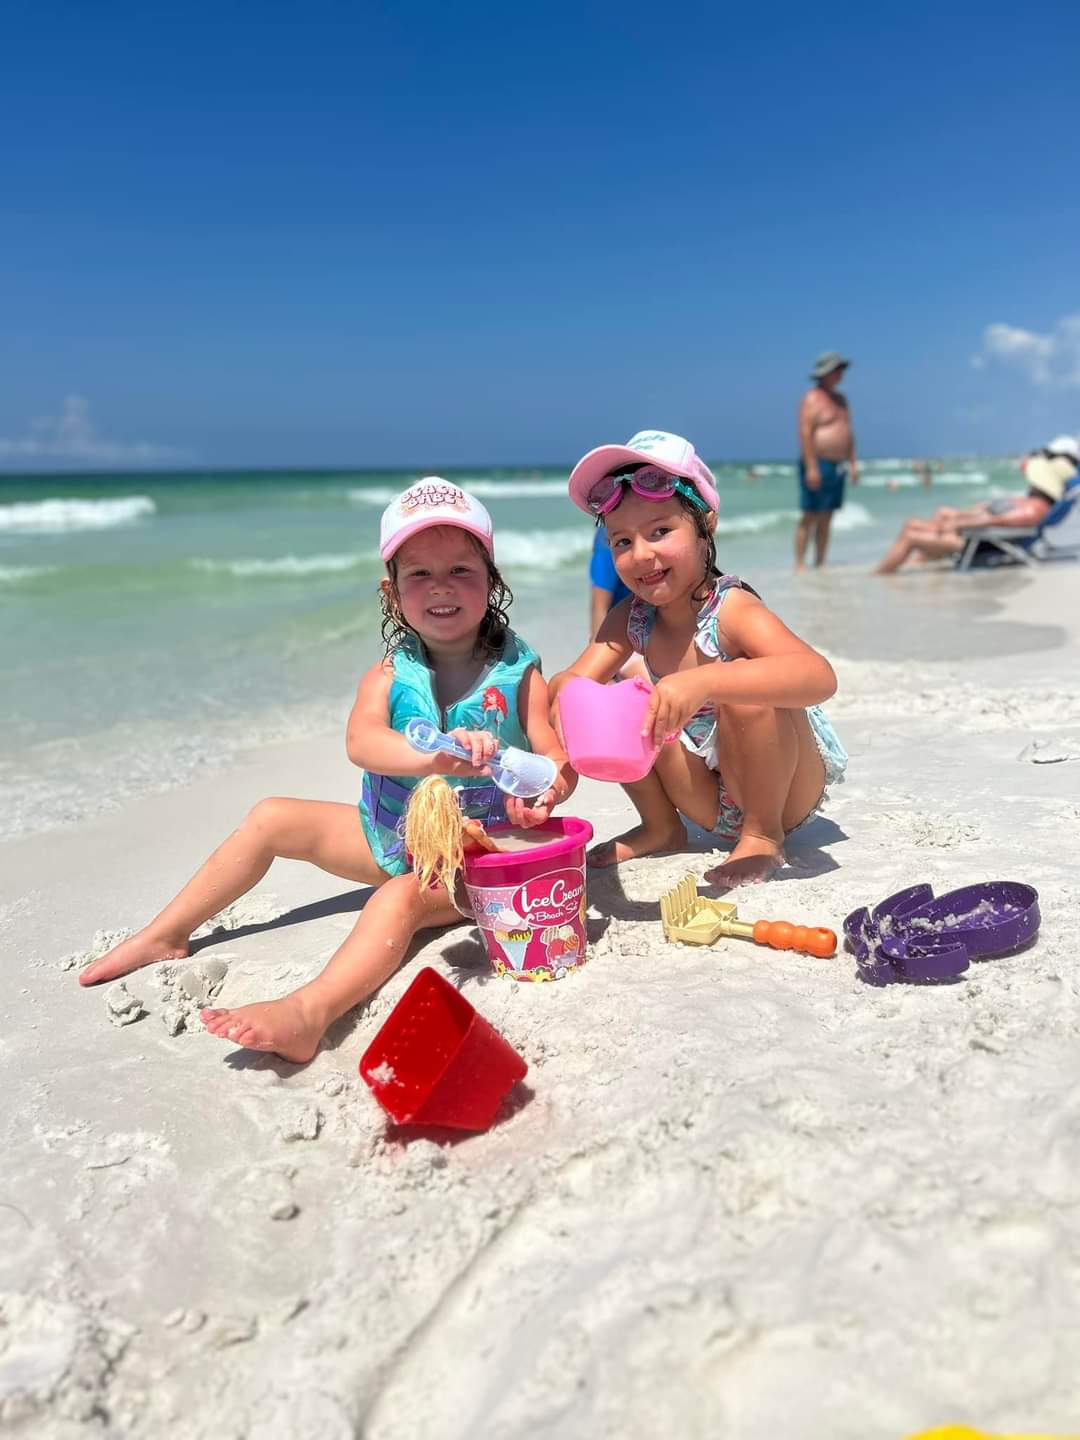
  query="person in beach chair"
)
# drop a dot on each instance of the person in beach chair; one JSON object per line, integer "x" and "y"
{"x": 1010, "y": 525}
{"x": 1000, "y": 544}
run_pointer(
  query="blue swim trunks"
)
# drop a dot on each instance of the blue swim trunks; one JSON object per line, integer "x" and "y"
{"x": 830, "y": 494}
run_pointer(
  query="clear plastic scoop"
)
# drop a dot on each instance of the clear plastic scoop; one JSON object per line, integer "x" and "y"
{"x": 515, "y": 772}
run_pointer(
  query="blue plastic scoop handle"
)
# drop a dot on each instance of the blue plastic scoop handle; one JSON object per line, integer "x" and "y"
{"x": 515, "y": 772}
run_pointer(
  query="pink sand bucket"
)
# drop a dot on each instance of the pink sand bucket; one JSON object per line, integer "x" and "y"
{"x": 437, "y": 1062}
{"x": 601, "y": 725}
{"x": 530, "y": 904}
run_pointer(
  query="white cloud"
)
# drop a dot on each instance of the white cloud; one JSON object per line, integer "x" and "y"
{"x": 72, "y": 435}
{"x": 1051, "y": 360}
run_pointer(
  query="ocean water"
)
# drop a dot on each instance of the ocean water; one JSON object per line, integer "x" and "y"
{"x": 152, "y": 625}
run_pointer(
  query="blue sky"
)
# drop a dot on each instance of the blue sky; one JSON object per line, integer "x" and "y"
{"x": 430, "y": 234}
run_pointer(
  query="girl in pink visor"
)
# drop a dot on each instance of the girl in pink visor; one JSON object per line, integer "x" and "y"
{"x": 756, "y": 753}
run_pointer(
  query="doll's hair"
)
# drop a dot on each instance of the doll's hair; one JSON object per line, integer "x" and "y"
{"x": 490, "y": 637}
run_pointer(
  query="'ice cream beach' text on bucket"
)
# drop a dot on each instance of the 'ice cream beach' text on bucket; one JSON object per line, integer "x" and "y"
{"x": 530, "y": 904}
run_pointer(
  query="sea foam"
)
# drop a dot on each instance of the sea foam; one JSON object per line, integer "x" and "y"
{"x": 285, "y": 567}
{"x": 852, "y": 516}
{"x": 542, "y": 549}
{"x": 15, "y": 574}
{"x": 482, "y": 489}
{"x": 51, "y": 517}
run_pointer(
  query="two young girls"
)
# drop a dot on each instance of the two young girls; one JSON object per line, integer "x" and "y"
{"x": 735, "y": 686}
{"x": 732, "y": 683}
{"x": 452, "y": 659}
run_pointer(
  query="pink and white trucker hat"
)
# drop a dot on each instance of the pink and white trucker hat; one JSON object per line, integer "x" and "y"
{"x": 432, "y": 501}
{"x": 656, "y": 447}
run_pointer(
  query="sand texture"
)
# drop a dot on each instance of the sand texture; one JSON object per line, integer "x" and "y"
{"x": 740, "y": 1194}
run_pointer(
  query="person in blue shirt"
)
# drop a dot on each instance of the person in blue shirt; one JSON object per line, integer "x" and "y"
{"x": 606, "y": 591}
{"x": 605, "y": 587}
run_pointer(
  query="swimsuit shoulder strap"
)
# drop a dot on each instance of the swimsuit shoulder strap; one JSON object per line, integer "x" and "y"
{"x": 706, "y": 634}
{"x": 639, "y": 624}
{"x": 642, "y": 618}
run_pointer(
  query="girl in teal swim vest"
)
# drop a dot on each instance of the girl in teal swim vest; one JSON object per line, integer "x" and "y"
{"x": 450, "y": 657}
{"x": 732, "y": 683}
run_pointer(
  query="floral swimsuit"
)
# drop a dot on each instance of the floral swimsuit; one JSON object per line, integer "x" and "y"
{"x": 699, "y": 732}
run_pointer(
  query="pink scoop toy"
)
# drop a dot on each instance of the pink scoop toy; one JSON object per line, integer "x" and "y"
{"x": 602, "y": 728}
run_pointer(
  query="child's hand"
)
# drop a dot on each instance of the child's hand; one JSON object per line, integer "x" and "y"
{"x": 673, "y": 701}
{"x": 525, "y": 814}
{"x": 482, "y": 746}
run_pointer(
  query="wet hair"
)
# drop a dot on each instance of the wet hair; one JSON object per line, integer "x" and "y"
{"x": 703, "y": 588}
{"x": 494, "y": 627}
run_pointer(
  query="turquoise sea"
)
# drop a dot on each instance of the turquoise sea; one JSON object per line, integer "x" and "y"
{"x": 153, "y": 624}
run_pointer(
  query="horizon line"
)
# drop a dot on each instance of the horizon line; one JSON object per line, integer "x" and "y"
{"x": 93, "y": 472}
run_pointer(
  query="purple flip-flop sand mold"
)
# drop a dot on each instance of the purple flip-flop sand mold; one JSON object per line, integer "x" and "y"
{"x": 914, "y": 937}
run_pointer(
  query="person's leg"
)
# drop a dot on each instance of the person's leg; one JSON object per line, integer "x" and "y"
{"x": 772, "y": 769}
{"x": 659, "y": 829}
{"x": 803, "y": 528}
{"x": 327, "y": 834}
{"x": 774, "y": 772}
{"x": 809, "y": 505}
{"x": 822, "y": 524}
{"x": 830, "y": 497}
{"x": 293, "y": 1026}
{"x": 922, "y": 537}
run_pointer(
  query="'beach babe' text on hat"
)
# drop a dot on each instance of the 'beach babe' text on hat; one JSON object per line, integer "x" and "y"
{"x": 432, "y": 501}
{"x": 670, "y": 453}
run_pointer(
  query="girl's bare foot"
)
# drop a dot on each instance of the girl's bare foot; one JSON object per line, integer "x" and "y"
{"x": 754, "y": 860}
{"x": 291, "y": 1027}
{"x": 635, "y": 843}
{"x": 131, "y": 954}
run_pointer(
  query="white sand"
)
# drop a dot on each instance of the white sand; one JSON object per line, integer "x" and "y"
{"x": 741, "y": 1194}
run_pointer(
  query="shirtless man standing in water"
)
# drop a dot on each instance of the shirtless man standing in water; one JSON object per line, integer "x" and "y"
{"x": 827, "y": 456}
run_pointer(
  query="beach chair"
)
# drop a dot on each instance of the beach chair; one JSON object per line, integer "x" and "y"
{"x": 1024, "y": 545}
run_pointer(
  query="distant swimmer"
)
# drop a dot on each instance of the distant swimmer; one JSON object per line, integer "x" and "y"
{"x": 827, "y": 456}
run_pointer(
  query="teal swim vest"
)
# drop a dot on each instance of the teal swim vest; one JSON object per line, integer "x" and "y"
{"x": 492, "y": 704}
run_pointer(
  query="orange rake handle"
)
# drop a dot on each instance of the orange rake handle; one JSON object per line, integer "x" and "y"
{"x": 805, "y": 939}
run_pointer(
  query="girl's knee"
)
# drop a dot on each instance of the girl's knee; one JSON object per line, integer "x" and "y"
{"x": 269, "y": 817}
{"x": 404, "y": 888}
{"x": 748, "y": 717}
{"x": 405, "y": 893}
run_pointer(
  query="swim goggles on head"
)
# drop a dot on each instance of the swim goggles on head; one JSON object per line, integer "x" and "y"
{"x": 647, "y": 481}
